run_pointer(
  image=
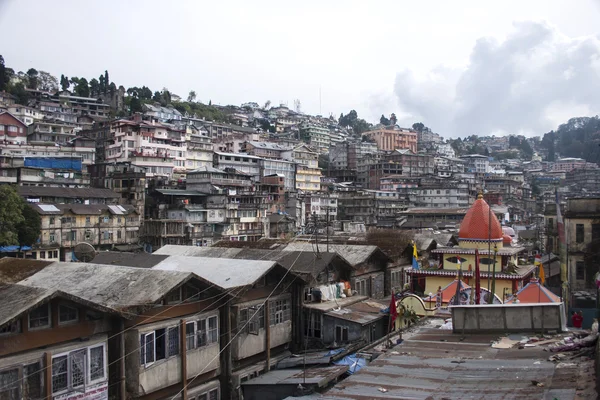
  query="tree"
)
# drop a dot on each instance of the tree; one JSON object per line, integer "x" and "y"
{"x": 64, "y": 82}
{"x": 191, "y": 96}
{"x": 32, "y": 78}
{"x": 18, "y": 90}
{"x": 11, "y": 215}
{"x": 135, "y": 104}
{"x": 82, "y": 88}
{"x": 47, "y": 82}
{"x": 267, "y": 104}
{"x": 112, "y": 88}
{"x": 393, "y": 119}
{"x": 157, "y": 97}
{"x": 29, "y": 230}
{"x": 101, "y": 83}
{"x": 418, "y": 126}
{"x": 94, "y": 87}
{"x": 106, "y": 81}
{"x": 384, "y": 121}
{"x": 4, "y": 78}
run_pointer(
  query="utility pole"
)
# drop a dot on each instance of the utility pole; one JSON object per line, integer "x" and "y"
{"x": 327, "y": 223}
{"x": 316, "y": 233}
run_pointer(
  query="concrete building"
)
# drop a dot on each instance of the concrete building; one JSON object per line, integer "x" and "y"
{"x": 286, "y": 169}
{"x": 308, "y": 173}
{"x": 199, "y": 151}
{"x": 393, "y": 138}
{"x": 28, "y": 115}
{"x": 570, "y": 163}
{"x": 316, "y": 135}
{"x": 241, "y": 162}
{"x": 357, "y": 151}
{"x": 105, "y": 227}
{"x": 446, "y": 167}
{"x": 264, "y": 149}
{"x": 162, "y": 114}
{"x": 477, "y": 164}
{"x": 582, "y": 231}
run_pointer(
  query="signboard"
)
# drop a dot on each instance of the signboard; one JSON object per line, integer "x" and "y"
{"x": 94, "y": 392}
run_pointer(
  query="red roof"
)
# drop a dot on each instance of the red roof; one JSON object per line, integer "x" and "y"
{"x": 448, "y": 292}
{"x": 476, "y": 223}
{"x": 533, "y": 292}
{"x": 506, "y": 239}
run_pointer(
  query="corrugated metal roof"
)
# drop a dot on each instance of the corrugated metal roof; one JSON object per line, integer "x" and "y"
{"x": 113, "y": 287}
{"x": 137, "y": 260}
{"x": 13, "y": 270}
{"x": 312, "y": 376}
{"x": 224, "y": 272}
{"x": 436, "y": 364}
{"x": 354, "y": 254}
{"x": 16, "y": 299}
{"x": 180, "y": 192}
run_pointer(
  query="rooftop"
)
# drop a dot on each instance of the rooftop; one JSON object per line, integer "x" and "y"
{"x": 436, "y": 364}
{"x": 13, "y": 270}
{"x": 137, "y": 260}
{"x": 61, "y": 192}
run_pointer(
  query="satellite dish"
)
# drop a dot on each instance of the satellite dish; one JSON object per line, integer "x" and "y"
{"x": 84, "y": 252}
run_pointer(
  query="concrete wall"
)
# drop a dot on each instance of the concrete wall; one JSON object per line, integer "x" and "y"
{"x": 508, "y": 318}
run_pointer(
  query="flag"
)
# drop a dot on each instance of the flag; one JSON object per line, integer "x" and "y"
{"x": 542, "y": 274}
{"x": 458, "y": 286}
{"x": 477, "y": 279}
{"x": 393, "y": 310}
{"x": 415, "y": 264}
{"x": 538, "y": 260}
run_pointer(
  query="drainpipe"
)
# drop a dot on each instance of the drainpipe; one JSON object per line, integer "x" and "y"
{"x": 122, "y": 383}
{"x": 183, "y": 349}
{"x": 267, "y": 335}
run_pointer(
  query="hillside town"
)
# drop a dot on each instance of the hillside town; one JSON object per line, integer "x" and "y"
{"x": 155, "y": 247}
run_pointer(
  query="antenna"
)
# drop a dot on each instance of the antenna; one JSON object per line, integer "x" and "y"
{"x": 84, "y": 252}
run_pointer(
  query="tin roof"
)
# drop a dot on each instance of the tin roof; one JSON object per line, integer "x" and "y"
{"x": 75, "y": 193}
{"x": 436, "y": 364}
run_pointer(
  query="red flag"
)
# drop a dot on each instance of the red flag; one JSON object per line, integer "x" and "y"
{"x": 393, "y": 310}
{"x": 477, "y": 279}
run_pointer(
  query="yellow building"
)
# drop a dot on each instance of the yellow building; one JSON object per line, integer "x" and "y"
{"x": 480, "y": 230}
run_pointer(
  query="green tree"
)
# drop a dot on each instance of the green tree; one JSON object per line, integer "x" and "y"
{"x": 4, "y": 78}
{"x": 18, "y": 90}
{"x": 112, "y": 88}
{"x": 101, "y": 83}
{"x": 47, "y": 82}
{"x": 135, "y": 104}
{"x": 82, "y": 88}
{"x": 32, "y": 78}
{"x": 11, "y": 215}
{"x": 64, "y": 82}
{"x": 94, "y": 87}
{"x": 267, "y": 104}
{"x": 106, "y": 82}
{"x": 29, "y": 230}
{"x": 418, "y": 126}
{"x": 191, "y": 97}
{"x": 384, "y": 121}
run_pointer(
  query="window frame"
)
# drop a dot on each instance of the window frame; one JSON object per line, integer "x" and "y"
{"x": 579, "y": 270}
{"x": 71, "y": 321}
{"x": 49, "y": 325}
{"x": 579, "y": 233}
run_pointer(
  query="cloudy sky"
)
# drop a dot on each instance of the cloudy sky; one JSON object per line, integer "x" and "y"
{"x": 461, "y": 67}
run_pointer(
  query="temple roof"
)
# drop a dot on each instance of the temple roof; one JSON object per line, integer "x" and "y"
{"x": 477, "y": 221}
{"x": 533, "y": 292}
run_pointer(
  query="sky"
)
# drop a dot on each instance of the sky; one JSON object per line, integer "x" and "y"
{"x": 461, "y": 67}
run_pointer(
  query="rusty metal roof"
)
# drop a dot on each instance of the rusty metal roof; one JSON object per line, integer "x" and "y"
{"x": 436, "y": 364}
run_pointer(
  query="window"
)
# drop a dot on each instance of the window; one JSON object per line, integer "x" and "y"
{"x": 174, "y": 296}
{"x": 32, "y": 381}
{"x": 191, "y": 293}
{"x": 279, "y": 312}
{"x": 202, "y": 332}
{"x": 252, "y": 319}
{"x": 550, "y": 223}
{"x": 119, "y": 234}
{"x": 212, "y": 394}
{"x": 579, "y": 233}
{"x": 595, "y": 232}
{"x": 40, "y": 317}
{"x": 10, "y": 329}
{"x": 67, "y": 314}
{"x": 173, "y": 341}
{"x": 97, "y": 371}
{"x": 341, "y": 334}
{"x": 88, "y": 220}
{"x": 580, "y": 271}
{"x": 51, "y": 221}
{"x": 147, "y": 348}
{"x": 60, "y": 374}
{"x": 9, "y": 384}
{"x": 51, "y": 238}
{"x": 42, "y": 254}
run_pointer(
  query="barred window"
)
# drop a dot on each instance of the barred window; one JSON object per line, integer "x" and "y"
{"x": 77, "y": 368}
{"x": 279, "y": 312}
{"x": 60, "y": 374}
{"x": 173, "y": 341}
{"x": 96, "y": 363}
{"x": 252, "y": 319}
{"x": 32, "y": 385}
{"x": 213, "y": 330}
{"x": 202, "y": 333}
{"x": 9, "y": 384}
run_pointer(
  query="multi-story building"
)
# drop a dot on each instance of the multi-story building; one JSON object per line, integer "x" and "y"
{"x": 390, "y": 138}
{"x": 241, "y": 162}
{"x": 124, "y": 179}
{"x": 583, "y": 180}
{"x": 358, "y": 150}
{"x": 323, "y": 205}
{"x": 103, "y": 226}
{"x": 26, "y": 114}
{"x": 477, "y": 163}
{"x": 52, "y": 131}
{"x": 218, "y": 130}
{"x": 338, "y": 156}
{"x": 308, "y": 173}
{"x": 582, "y": 231}
{"x": 442, "y": 194}
{"x": 447, "y": 167}
{"x": 571, "y": 163}
{"x": 283, "y": 168}
{"x": 12, "y": 129}
{"x": 162, "y": 114}
{"x": 264, "y": 149}
{"x": 316, "y": 135}
{"x": 400, "y": 162}
{"x": 372, "y": 207}
{"x": 158, "y": 147}
{"x": 445, "y": 150}
{"x": 83, "y": 105}
{"x": 199, "y": 151}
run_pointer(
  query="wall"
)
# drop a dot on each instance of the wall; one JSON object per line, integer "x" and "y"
{"x": 508, "y": 318}
{"x": 434, "y": 282}
{"x": 246, "y": 345}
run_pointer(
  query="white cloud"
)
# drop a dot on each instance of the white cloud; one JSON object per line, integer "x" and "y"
{"x": 518, "y": 85}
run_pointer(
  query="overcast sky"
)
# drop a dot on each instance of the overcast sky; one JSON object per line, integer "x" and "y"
{"x": 461, "y": 67}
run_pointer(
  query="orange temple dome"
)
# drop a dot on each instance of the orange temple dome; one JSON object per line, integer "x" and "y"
{"x": 476, "y": 224}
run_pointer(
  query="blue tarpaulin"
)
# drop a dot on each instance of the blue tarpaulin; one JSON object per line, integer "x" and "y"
{"x": 354, "y": 363}
{"x": 54, "y": 163}
{"x": 334, "y": 352}
{"x": 14, "y": 249}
